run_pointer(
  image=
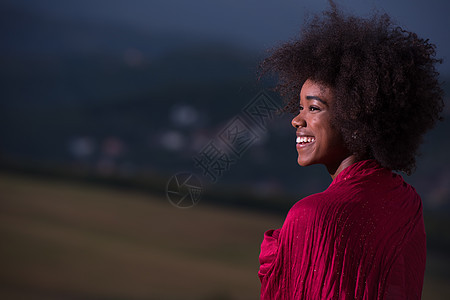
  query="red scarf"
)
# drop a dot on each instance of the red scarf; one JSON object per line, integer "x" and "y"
{"x": 362, "y": 238}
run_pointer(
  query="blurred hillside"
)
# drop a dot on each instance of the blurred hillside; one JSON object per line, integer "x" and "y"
{"x": 98, "y": 99}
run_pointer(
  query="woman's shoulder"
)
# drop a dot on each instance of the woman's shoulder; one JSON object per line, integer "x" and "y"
{"x": 377, "y": 196}
{"x": 312, "y": 205}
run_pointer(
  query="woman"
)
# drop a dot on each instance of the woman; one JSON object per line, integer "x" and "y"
{"x": 368, "y": 93}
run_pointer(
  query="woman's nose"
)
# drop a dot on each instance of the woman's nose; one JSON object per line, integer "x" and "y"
{"x": 298, "y": 121}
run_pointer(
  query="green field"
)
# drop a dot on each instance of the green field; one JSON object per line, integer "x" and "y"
{"x": 62, "y": 240}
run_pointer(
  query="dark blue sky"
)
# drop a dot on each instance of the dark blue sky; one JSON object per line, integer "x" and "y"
{"x": 254, "y": 24}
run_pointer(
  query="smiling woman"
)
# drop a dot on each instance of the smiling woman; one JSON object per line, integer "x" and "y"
{"x": 368, "y": 93}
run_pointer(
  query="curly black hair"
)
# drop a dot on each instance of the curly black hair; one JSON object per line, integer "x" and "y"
{"x": 384, "y": 80}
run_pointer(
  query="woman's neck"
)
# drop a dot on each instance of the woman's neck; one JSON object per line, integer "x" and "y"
{"x": 346, "y": 162}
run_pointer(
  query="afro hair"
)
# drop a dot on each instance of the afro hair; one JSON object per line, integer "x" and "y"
{"x": 383, "y": 77}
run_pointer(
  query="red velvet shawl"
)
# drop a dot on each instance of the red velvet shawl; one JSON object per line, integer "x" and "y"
{"x": 362, "y": 238}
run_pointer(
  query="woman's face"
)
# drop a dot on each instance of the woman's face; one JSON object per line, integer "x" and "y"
{"x": 318, "y": 142}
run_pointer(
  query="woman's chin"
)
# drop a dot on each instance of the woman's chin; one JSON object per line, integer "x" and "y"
{"x": 303, "y": 162}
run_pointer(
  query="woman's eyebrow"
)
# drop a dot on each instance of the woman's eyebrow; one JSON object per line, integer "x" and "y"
{"x": 316, "y": 98}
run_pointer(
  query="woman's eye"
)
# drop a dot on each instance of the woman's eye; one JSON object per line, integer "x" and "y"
{"x": 300, "y": 108}
{"x": 313, "y": 108}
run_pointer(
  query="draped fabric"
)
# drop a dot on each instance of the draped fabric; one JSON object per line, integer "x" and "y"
{"x": 362, "y": 238}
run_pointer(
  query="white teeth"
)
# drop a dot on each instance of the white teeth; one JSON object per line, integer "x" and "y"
{"x": 305, "y": 139}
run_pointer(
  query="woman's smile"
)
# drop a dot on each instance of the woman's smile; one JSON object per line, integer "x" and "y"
{"x": 305, "y": 141}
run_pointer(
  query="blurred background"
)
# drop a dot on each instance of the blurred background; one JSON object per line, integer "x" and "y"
{"x": 102, "y": 102}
